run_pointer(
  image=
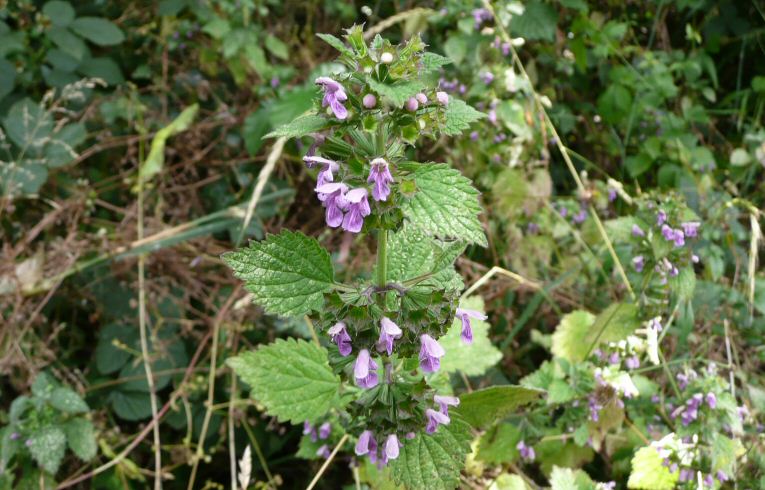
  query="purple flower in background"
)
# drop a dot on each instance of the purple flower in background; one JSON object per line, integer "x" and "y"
{"x": 661, "y": 217}
{"x": 480, "y": 16}
{"x": 611, "y": 194}
{"x": 334, "y": 96}
{"x": 526, "y": 452}
{"x": 563, "y": 212}
{"x": 685, "y": 475}
{"x": 275, "y": 82}
{"x": 594, "y": 408}
{"x": 382, "y": 178}
{"x": 465, "y": 316}
{"x": 632, "y": 362}
{"x": 391, "y": 449}
{"x": 15, "y": 436}
{"x": 365, "y": 370}
{"x": 444, "y": 402}
{"x": 339, "y": 335}
{"x": 358, "y": 208}
{"x": 366, "y": 444}
{"x": 691, "y": 228}
{"x": 487, "y": 77}
{"x": 323, "y": 452}
{"x": 493, "y": 117}
{"x": 369, "y": 101}
{"x": 580, "y": 216}
{"x": 325, "y": 430}
{"x": 389, "y": 332}
{"x": 431, "y": 353}
{"x": 679, "y": 238}
{"x": 637, "y": 231}
{"x": 505, "y": 48}
{"x": 333, "y": 199}
{"x": 709, "y": 480}
{"x": 474, "y": 136}
{"x": 711, "y": 400}
{"x": 722, "y": 476}
{"x": 614, "y": 358}
{"x": 667, "y": 232}
{"x": 435, "y": 419}
{"x": 309, "y": 429}
{"x": 442, "y": 98}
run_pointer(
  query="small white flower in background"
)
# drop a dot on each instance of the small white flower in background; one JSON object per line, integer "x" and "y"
{"x": 517, "y": 42}
{"x": 245, "y": 469}
{"x": 618, "y": 380}
{"x": 651, "y": 332}
{"x": 545, "y": 100}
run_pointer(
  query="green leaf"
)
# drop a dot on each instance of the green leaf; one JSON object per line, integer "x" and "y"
{"x": 60, "y": 149}
{"x": 498, "y": 444}
{"x": 398, "y": 92}
{"x": 445, "y": 204}
{"x": 538, "y": 22}
{"x": 614, "y": 104}
{"x": 336, "y": 43}
{"x": 68, "y": 42}
{"x": 432, "y": 62}
{"x": 301, "y": 126}
{"x": 433, "y": 462}
{"x": 28, "y": 124}
{"x": 131, "y": 405}
{"x": 291, "y": 378}
{"x": 648, "y": 472}
{"x": 104, "y": 68}
{"x": 98, "y": 30}
{"x": 68, "y": 401}
{"x": 459, "y": 116}
{"x": 471, "y": 359}
{"x": 60, "y": 13}
{"x": 684, "y": 283}
{"x": 276, "y": 47}
{"x": 47, "y": 447}
{"x": 572, "y": 329}
{"x": 507, "y": 481}
{"x": 482, "y": 408}
{"x": 156, "y": 159}
{"x": 560, "y": 391}
{"x": 7, "y": 78}
{"x": 570, "y": 479}
{"x": 740, "y": 157}
{"x": 288, "y": 274}
{"x": 81, "y": 437}
{"x": 412, "y": 254}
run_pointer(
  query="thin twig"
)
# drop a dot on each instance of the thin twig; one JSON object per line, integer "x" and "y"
{"x": 326, "y": 463}
{"x": 393, "y": 20}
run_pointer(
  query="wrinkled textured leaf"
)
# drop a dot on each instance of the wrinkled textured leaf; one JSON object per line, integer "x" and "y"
{"x": 472, "y": 359}
{"x": 66, "y": 400}
{"x": 291, "y": 378}
{"x": 287, "y": 273}
{"x": 412, "y": 254}
{"x": 432, "y": 62}
{"x": 481, "y": 408}
{"x": 47, "y": 447}
{"x": 445, "y": 204}
{"x": 81, "y": 438}
{"x": 648, "y": 472}
{"x": 433, "y": 462}
{"x": 301, "y": 126}
{"x": 459, "y": 116}
{"x": 397, "y": 93}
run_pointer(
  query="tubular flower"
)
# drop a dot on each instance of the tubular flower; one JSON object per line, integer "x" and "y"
{"x": 465, "y": 316}
{"x": 365, "y": 370}
{"x": 340, "y": 336}
{"x": 333, "y": 199}
{"x": 431, "y": 353}
{"x": 358, "y": 208}
{"x": 366, "y": 444}
{"x": 444, "y": 402}
{"x": 434, "y": 419}
{"x": 391, "y": 449}
{"x": 381, "y": 177}
{"x": 334, "y": 96}
{"x": 389, "y": 332}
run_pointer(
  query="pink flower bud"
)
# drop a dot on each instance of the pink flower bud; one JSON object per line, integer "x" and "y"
{"x": 369, "y": 101}
{"x": 412, "y": 104}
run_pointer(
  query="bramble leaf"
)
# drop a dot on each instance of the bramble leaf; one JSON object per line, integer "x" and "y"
{"x": 472, "y": 359}
{"x": 459, "y": 115}
{"x": 303, "y": 125}
{"x": 445, "y": 204}
{"x": 481, "y": 408}
{"x": 287, "y": 273}
{"x": 648, "y": 472}
{"x": 291, "y": 378}
{"x": 433, "y": 462}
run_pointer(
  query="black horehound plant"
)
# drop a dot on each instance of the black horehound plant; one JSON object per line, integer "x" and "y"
{"x": 371, "y": 379}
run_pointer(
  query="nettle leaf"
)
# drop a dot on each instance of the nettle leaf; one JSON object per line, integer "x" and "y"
{"x": 47, "y": 447}
{"x": 498, "y": 444}
{"x": 81, "y": 438}
{"x": 432, "y": 62}
{"x": 580, "y": 332}
{"x": 397, "y": 93}
{"x": 433, "y": 462}
{"x": 445, "y": 204}
{"x": 68, "y": 401}
{"x": 472, "y": 359}
{"x": 336, "y": 43}
{"x": 459, "y": 116}
{"x": 301, "y": 126}
{"x": 287, "y": 273}
{"x": 411, "y": 254}
{"x": 291, "y": 378}
{"x": 648, "y": 472}
{"x": 484, "y": 407}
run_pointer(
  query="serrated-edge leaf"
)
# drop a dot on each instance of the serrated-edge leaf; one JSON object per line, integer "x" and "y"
{"x": 67, "y": 400}
{"x": 648, "y": 472}
{"x": 287, "y": 273}
{"x": 336, "y": 43}
{"x": 47, "y": 447}
{"x": 484, "y": 407}
{"x": 459, "y": 116}
{"x": 445, "y": 204}
{"x": 291, "y": 378}
{"x": 433, "y": 462}
{"x": 301, "y": 126}
{"x": 432, "y": 62}
{"x": 81, "y": 437}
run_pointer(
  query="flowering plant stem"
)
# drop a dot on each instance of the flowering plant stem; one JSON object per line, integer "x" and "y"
{"x": 382, "y": 257}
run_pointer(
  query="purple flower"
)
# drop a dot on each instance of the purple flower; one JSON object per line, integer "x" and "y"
{"x": 722, "y": 476}
{"x": 465, "y": 316}
{"x": 632, "y": 362}
{"x": 389, "y": 332}
{"x": 325, "y": 430}
{"x": 339, "y": 335}
{"x": 442, "y": 98}
{"x": 480, "y": 16}
{"x": 637, "y": 231}
{"x": 638, "y": 263}
{"x": 611, "y": 194}
{"x": 679, "y": 238}
{"x": 358, "y": 208}
{"x": 487, "y": 77}
{"x": 444, "y": 402}
{"x": 493, "y": 117}
{"x": 369, "y": 101}
{"x": 505, "y": 48}
{"x": 323, "y": 452}
{"x": 380, "y": 175}
{"x": 366, "y": 444}
{"x": 685, "y": 475}
{"x": 333, "y": 199}
{"x": 435, "y": 419}
{"x": 691, "y": 228}
{"x": 580, "y": 216}
{"x": 309, "y": 429}
{"x": 326, "y": 174}
{"x": 15, "y": 436}
{"x": 526, "y": 452}
{"x": 474, "y": 136}
{"x": 614, "y": 358}
{"x": 334, "y": 96}
{"x": 661, "y": 217}
{"x": 365, "y": 370}
{"x": 391, "y": 449}
{"x": 431, "y": 353}
{"x": 412, "y": 104}
{"x": 711, "y": 400}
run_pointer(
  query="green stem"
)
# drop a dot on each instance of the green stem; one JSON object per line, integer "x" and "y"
{"x": 382, "y": 257}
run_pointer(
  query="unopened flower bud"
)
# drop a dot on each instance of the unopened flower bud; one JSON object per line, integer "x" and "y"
{"x": 412, "y": 104}
{"x": 386, "y": 58}
{"x": 369, "y": 101}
